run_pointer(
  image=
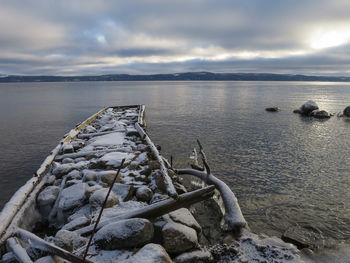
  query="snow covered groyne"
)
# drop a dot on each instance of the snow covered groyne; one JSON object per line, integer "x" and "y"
{"x": 149, "y": 215}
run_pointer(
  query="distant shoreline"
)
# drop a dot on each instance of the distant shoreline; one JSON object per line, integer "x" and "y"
{"x": 188, "y": 76}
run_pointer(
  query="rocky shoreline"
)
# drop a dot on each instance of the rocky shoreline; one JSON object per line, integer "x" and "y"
{"x": 80, "y": 178}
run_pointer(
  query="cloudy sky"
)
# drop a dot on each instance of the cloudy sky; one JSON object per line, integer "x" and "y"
{"x": 87, "y": 37}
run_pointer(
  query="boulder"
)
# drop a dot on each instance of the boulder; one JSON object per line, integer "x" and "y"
{"x": 92, "y": 189}
{"x": 130, "y": 131}
{"x": 108, "y": 177}
{"x": 144, "y": 194}
{"x": 127, "y": 233}
{"x": 178, "y": 238}
{"x": 67, "y": 148}
{"x": 98, "y": 197}
{"x": 308, "y": 107}
{"x": 202, "y": 256}
{"x": 73, "y": 196}
{"x": 69, "y": 240}
{"x": 77, "y": 223}
{"x": 142, "y": 159}
{"x": 67, "y": 160}
{"x": 124, "y": 192}
{"x": 184, "y": 216}
{"x": 154, "y": 164}
{"x": 114, "y": 159}
{"x": 47, "y": 259}
{"x": 89, "y": 175}
{"x": 346, "y": 111}
{"x": 134, "y": 165}
{"x": 320, "y": 114}
{"x": 75, "y": 174}
{"x": 48, "y": 196}
{"x": 150, "y": 253}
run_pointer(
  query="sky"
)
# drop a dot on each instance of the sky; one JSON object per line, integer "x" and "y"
{"x": 94, "y": 37}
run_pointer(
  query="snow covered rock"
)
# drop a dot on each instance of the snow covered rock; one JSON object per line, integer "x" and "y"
{"x": 89, "y": 175}
{"x": 75, "y": 174}
{"x": 346, "y": 111}
{"x": 124, "y": 192}
{"x": 112, "y": 139}
{"x": 178, "y": 238}
{"x": 108, "y": 177}
{"x": 134, "y": 165}
{"x": 154, "y": 164}
{"x": 48, "y": 196}
{"x": 127, "y": 233}
{"x": 92, "y": 189}
{"x": 142, "y": 159}
{"x": 131, "y": 131}
{"x": 67, "y": 160}
{"x": 114, "y": 159}
{"x": 89, "y": 129}
{"x": 308, "y": 107}
{"x": 73, "y": 196}
{"x": 47, "y": 259}
{"x": 97, "y": 198}
{"x": 144, "y": 194}
{"x": 184, "y": 216}
{"x": 63, "y": 169}
{"x": 77, "y": 223}
{"x": 69, "y": 240}
{"x": 68, "y": 148}
{"x": 202, "y": 256}
{"x": 150, "y": 253}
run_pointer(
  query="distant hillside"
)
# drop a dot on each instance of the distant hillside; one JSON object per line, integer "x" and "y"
{"x": 176, "y": 77}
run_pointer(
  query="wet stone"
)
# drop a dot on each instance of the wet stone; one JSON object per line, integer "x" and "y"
{"x": 127, "y": 233}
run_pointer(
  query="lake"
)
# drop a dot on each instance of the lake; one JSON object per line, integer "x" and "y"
{"x": 288, "y": 172}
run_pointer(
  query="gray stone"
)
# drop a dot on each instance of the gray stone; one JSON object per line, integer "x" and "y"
{"x": 124, "y": 192}
{"x": 184, "y": 216}
{"x": 47, "y": 259}
{"x": 142, "y": 147}
{"x": 150, "y": 253}
{"x": 77, "y": 223}
{"x": 346, "y": 111}
{"x": 70, "y": 183}
{"x": 154, "y": 165}
{"x": 158, "y": 197}
{"x": 272, "y": 109}
{"x": 68, "y": 148}
{"x": 92, "y": 189}
{"x": 48, "y": 196}
{"x": 75, "y": 174}
{"x": 142, "y": 159}
{"x": 180, "y": 189}
{"x": 127, "y": 233}
{"x": 79, "y": 159}
{"x": 108, "y": 177}
{"x": 67, "y": 160}
{"x": 320, "y": 114}
{"x": 144, "y": 194}
{"x": 97, "y": 198}
{"x": 77, "y": 144}
{"x": 134, "y": 165}
{"x": 160, "y": 181}
{"x": 89, "y": 175}
{"x": 69, "y": 240}
{"x": 308, "y": 107}
{"x": 131, "y": 132}
{"x": 73, "y": 196}
{"x": 178, "y": 238}
{"x": 197, "y": 256}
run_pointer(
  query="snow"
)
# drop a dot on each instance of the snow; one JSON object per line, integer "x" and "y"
{"x": 115, "y": 158}
{"x": 111, "y": 139}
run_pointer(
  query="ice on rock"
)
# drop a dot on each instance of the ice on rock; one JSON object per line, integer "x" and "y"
{"x": 48, "y": 196}
{"x": 97, "y": 198}
{"x": 77, "y": 223}
{"x": 184, "y": 216}
{"x": 124, "y": 192}
{"x": 112, "y": 139}
{"x": 142, "y": 158}
{"x": 150, "y": 253}
{"x": 202, "y": 256}
{"x": 178, "y": 238}
{"x": 73, "y": 196}
{"x": 127, "y": 233}
{"x": 115, "y": 158}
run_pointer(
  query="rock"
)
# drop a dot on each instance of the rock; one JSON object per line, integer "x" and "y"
{"x": 272, "y": 109}
{"x": 346, "y": 111}
{"x": 92, "y": 189}
{"x": 124, "y": 192}
{"x": 97, "y": 198}
{"x": 158, "y": 226}
{"x": 77, "y": 223}
{"x": 158, "y": 197}
{"x": 159, "y": 179}
{"x": 184, "y": 216}
{"x": 303, "y": 237}
{"x": 150, "y": 253}
{"x": 114, "y": 159}
{"x": 142, "y": 159}
{"x": 308, "y": 107}
{"x": 67, "y": 160}
{"x": 77, "y": 144}
{"x": 127, "y": 233}
{"x": 197, "y": 256}
{"x": 89, "y": 175}
{"x": 146, "y": 171}
{"x": 65, "y": 168}
{"x": 67, "y": 148}
{"x": 73, "y": 196}
{"x": 142, "y": 147}
{"x": 70, "y": 183}
{"x": 79, "y": 159}
{"x": 48, "y": 196}
{"x": 297, "y": 111}
{"x": 47, "y": 259}
{"x": 130, "y": 131}
{"x": 69, "y": 240}
{"x": 154, "y": 165}
{"x": 89, "y": 129}
{"x": 144, "y": 194}
{"x": 75, "y": 174}
{"x": 108, "y": 177}
{"x": 134, "y": 165}
{"x": 320, "y": 114}
{"x": 178, "y": 238}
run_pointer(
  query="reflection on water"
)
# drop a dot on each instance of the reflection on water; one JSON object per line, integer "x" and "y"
{"x": 287, "y": 171}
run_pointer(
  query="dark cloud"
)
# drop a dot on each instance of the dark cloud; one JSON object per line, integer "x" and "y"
{"x": 101, "y": 36}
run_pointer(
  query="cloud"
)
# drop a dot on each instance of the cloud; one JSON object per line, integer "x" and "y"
{"x": 101, "y": 36}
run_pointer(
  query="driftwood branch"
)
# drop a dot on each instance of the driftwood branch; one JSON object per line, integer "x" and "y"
{"x": 43, "y": 245}
{"x": 157, "y": 209}
{"x": 19, "y": 252}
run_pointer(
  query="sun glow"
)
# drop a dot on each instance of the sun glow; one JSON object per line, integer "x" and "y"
{"x": 329, "y": 39}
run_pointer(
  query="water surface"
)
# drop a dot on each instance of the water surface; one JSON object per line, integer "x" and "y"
{"x": 286, "y": 170}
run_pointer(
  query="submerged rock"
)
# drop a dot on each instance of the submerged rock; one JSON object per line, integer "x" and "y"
{"x": 178, "y": 238}
{"x": 150, "y": 253}
{"x": 127, "y": 233}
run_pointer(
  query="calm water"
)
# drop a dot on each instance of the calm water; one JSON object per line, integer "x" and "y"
{"x": 285, "y": 170}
